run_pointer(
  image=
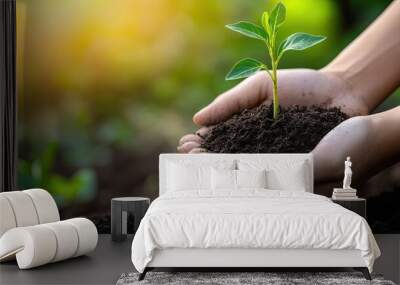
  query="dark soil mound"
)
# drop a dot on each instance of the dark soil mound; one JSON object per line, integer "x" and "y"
{"x": 297, "y": 130}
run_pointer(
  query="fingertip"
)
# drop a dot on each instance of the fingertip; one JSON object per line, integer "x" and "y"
{"x": 198, "y": 118}
{"x": 202, "y": 132}
{"x": 188, "y": 138}
{"x": 208, "y": 116}
{"x": 198, "y": 150}
{"x": 187, "y": 147}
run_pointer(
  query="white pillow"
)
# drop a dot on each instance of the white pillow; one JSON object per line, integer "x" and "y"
{"x": 227, "y": 179}
{"x": 293, "y": 179}
{"x": 281, "y": 174}
{"x": 189, "y": 175}
{"x": 251, "y": 178}
{"x": 181, "y": 177}
{"x": 223, "y": 179}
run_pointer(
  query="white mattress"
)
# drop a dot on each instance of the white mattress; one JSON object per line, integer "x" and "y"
{"x": 256, "y": 219}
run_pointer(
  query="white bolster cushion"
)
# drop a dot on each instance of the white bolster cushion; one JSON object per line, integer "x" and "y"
{"x": 23, "y": 208}
{"x": 7, "y": 219}
{"x": 40, "y": 244}
{"x": 67, "y": 240}
{"x": 26, "y": 208}
{"x": 46, "y": 207}
{"x": 87, "y": 235}
{"x": 33, "y": 246}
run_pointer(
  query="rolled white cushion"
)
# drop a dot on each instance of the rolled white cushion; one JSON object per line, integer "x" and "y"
{"x": 37, "y": 245}
{"x": 46, "y": 207}
{"x": 87, "y": 234}
{"x": 33, "y": 246}
{"x": 26, "y": 208}
{"x": 23, "y": 208}
{"x": 67, "y": 240}
{"x": 7, "y": 218}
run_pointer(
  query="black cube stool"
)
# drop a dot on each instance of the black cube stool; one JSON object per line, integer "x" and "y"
{"x": 124, "y": 209}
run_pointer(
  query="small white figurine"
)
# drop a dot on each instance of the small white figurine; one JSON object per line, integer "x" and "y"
{"x": 347, "y": 174}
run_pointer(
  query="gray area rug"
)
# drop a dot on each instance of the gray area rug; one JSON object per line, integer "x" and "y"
{"x": 269, "y": 278}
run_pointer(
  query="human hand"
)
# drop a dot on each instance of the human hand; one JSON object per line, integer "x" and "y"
{"x": 303, "y": 87}
{"x": 371, "y": 142}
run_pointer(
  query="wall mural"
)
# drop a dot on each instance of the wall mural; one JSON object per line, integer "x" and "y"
{"x": 104, "y": 88}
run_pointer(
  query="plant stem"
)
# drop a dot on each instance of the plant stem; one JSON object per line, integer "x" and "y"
{"x": 275, "y": 98}
{"x": 274, "y": 66}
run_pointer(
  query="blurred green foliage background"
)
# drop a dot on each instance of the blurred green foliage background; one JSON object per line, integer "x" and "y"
{"x": 105, "y": 86}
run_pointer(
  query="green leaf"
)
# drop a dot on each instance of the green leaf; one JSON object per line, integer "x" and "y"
{"x": 249, "y": 29}
{"x": 277, "y": 16}
{"x": 265, "y": 21}
{"x": 299, "y": 41}
{"x": 244, "y": 68}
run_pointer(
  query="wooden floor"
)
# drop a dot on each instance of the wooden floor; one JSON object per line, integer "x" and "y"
{"x": 110, "y": 260}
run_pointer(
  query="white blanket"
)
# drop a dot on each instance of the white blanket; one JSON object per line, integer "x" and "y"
{"x": 250, "y": 219}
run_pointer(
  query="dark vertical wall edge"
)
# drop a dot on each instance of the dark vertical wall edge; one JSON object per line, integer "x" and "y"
{"x": 8, "y": 100}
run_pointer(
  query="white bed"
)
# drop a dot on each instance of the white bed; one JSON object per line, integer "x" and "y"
{"x": 273, "y": 226}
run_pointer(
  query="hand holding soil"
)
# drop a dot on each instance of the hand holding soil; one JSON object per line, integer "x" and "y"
{"x": 371, "y": 141}
{"x": 356, "y": 81}
{"x": 302, "y": 87}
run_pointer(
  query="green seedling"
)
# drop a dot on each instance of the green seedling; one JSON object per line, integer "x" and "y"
{"x": 267, "y": 33}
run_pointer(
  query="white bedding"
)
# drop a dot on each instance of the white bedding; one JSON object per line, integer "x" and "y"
{"x": 250, "y": 219}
